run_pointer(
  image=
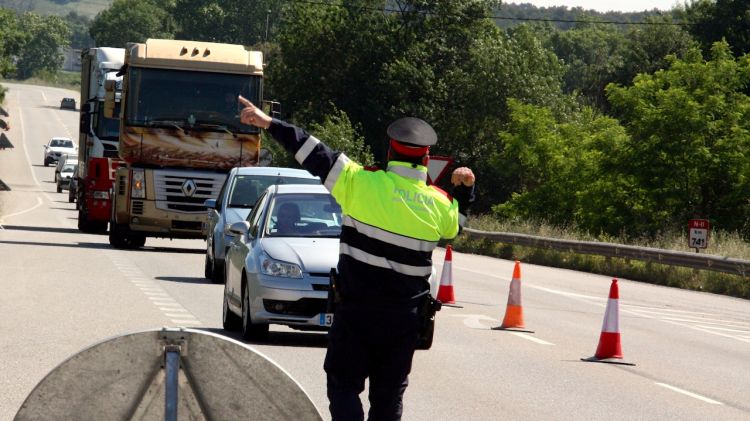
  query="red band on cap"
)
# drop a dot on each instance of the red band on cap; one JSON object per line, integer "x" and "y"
{"x": 411, "y": 151}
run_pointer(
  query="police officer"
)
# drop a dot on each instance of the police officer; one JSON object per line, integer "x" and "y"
{"x": 392, "y": 222}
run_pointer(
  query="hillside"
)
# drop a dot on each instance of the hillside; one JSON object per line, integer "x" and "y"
{"x": 88, "y": 8}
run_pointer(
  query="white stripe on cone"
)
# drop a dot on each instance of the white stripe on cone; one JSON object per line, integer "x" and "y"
{"x": 611, "y": 317}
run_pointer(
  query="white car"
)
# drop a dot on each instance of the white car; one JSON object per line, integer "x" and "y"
{"x": 57, "y": 147}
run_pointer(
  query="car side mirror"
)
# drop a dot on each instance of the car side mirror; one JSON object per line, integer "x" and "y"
{"x": 210, "y": 203}
{"x": 239, "y": 228}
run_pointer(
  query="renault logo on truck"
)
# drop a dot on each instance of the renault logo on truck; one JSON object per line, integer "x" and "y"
{"x": 189, "y": 188}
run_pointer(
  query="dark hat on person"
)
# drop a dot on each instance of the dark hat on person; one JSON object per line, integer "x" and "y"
{"x": 412, "y": 132}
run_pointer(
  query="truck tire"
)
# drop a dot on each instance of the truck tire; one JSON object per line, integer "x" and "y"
{"x": 120, "y": 237}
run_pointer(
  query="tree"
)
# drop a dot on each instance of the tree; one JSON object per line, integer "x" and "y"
{"x": 132, "y": 21}
{"x": 562, "y": 171}
{"x": 648, "y": 46}
{"x": 79, "y": 30}
{"x": 44, "y": 39}
{"x": 689, "y": 152}
{"x": 714, "y": 20}
{"x": 443, "y": 61}
{"x": 230, "y": 21}
{"x": 10, "y": 41}
{"x": 594, "y": 56}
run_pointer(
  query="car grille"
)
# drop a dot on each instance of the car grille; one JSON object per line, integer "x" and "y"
{"x": 170, "y": 195}
{"x": 306, "y": 307}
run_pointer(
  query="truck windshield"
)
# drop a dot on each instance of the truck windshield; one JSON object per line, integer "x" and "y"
{"x": 199, "y": 100}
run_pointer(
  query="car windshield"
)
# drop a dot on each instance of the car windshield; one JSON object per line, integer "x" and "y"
{"x": 304, "y": 215}
{"x": 61, "y": 143}
{"x": 247, "y": 188}
{"x": 68, "y": 168}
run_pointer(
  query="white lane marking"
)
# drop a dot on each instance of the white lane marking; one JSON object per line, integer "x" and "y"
{"x": 153, "y": 291}
{"x": 474, "y": 320}
{"x": 664, "y": 310}
{"x": 724, "y": 329}
{"x": 739, "y": 338}
{"x": 530, "y": 338}
{"x": 707, "y": 321}
{"x": 44, "y": 96}
{"x": 38, "y": 203}
{"x": 691, "y": 394}
{"x": 187, "y": 321}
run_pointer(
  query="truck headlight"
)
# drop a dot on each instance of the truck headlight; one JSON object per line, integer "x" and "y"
{"x": 272, "y": 267}
{"x": 138, "y": 185}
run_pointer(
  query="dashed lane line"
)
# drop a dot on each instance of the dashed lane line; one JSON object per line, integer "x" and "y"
{"x": 691, "y": 394}
{"x": 154, "y": 292}
{"x": 530, "y": 338}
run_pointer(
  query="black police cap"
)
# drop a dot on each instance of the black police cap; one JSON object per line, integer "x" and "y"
{"x": 412, "y": 131}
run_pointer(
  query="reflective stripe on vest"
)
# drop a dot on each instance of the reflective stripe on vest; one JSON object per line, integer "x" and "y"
{"x": 382, "y": 262}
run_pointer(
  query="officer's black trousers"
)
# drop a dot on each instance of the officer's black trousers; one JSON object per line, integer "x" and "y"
{"x": 372, "y": 342}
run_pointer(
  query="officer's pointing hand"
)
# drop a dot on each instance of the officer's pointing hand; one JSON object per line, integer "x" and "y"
{"x": 463, "y": 175}
{"x": 253, "y": 115}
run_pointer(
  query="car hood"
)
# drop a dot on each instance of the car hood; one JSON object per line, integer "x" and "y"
{"x": 236, "y": 214}
{"x": 314, "y": 255}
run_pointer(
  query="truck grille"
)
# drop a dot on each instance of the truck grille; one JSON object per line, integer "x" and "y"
{"x": 185, "y": 191}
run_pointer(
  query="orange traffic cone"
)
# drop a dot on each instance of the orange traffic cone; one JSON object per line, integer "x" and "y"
{"x": 609, "y": 341}
{"x": 445, "y": 292}
{"x": 513, "y": 319}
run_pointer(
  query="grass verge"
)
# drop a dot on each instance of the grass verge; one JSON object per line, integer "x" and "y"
{"x": 721, "y": 243}
{"x": 61, "y": 79}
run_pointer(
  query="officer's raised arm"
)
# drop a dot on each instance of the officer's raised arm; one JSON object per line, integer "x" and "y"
{"x": 295, "y": 140}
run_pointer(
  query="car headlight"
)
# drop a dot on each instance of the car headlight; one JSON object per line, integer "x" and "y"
{"x": 272, "y": 267}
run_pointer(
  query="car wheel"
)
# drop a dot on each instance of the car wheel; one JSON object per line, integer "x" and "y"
{"x": 229, "y": 320}
{"x": 251, "y": 331}
{"x": 208, "y": 268}
{"x": 59, "y": 189}
{"x": 218, "y": 272}
{"x": 46, "y": 162}
{"x": 71, "y": 197}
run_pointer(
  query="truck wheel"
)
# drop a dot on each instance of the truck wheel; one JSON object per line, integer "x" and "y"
{"x": 119, "y": 237}
{"x": 83, "y": 222}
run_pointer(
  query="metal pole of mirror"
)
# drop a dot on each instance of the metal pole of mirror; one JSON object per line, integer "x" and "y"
{"x": 172, "y": 367}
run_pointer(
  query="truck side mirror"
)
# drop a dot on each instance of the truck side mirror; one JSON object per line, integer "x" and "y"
{"x": 273, "y": 108}
{"x": 109, "y": 98}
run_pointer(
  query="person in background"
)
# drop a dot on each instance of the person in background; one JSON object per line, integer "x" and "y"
{"x": 392, "y": 221}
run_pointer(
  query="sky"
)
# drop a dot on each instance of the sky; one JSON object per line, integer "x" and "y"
{"x": 606, "y": 5}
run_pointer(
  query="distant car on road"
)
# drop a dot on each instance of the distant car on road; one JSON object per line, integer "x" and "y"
{"x": 64, "y": 159}
{"x": 278, "y": 264}
{"x": 68, "y": 103}
{"x": 66, "y": 174}
{"x": 57, "y": 147}
{"x": 235, "y": 201}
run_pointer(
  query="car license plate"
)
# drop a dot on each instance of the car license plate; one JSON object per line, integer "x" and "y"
{"x": 326, "y": 319}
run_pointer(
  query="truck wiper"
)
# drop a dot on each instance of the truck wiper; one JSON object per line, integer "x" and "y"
{"x": 220, "y": 127}
{"x": 165, "y": 122}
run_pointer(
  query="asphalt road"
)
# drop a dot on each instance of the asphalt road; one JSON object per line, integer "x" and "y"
{"x": 63, "y": 290}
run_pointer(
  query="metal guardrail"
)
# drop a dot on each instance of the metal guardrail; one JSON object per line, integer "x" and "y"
{"x": 667, "y": 257}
